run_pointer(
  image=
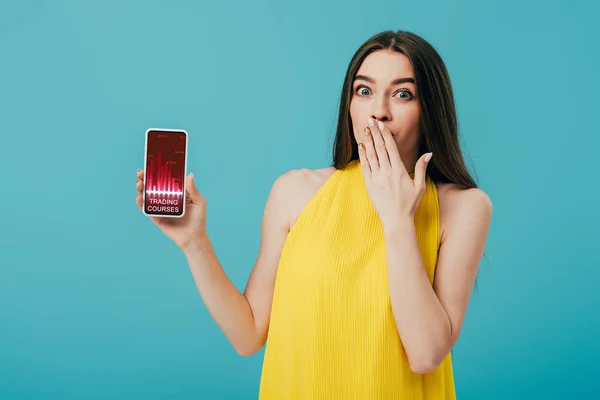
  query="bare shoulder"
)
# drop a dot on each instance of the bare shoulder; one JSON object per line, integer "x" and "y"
{"x": 299, "y": 186}
{"x": 460, "y": 206}
{"x": 290, "y": 192}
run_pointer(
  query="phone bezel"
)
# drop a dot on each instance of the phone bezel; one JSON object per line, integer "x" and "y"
{"x": 168, "y": 130}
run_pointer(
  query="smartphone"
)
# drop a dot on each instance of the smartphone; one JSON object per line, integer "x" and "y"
{"x": 165, "y": 169}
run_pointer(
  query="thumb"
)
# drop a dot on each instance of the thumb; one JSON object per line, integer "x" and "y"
{"x": 192, "y": 191}
{"x": 421, "y": 168}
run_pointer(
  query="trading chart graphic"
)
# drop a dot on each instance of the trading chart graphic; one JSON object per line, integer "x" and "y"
{"x": 165, "y": 172}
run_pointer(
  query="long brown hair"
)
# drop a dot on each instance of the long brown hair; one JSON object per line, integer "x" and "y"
{"x": 438, "y": 121}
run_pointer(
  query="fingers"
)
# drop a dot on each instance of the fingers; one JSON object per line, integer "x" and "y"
{"x": 192, "y": 191}
{"x": 391, "y": 147}
{"x": 364, "y": 162}
{"x": 370, "y": 152}
{"x": 138, "y": 200}
{"x": 380, "y": 147}
{"x": 139, "y": 183}
{"x": 139, "y": 186}
{"x": 421, "y": 169}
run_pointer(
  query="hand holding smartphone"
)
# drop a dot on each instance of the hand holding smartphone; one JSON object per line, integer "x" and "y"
{"x": 165, "y": 192}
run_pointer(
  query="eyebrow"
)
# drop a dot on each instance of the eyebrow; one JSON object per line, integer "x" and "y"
{"x": 395, "y": 82}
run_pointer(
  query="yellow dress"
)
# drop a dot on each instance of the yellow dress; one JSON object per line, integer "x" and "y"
{"x": 332, "y": 334}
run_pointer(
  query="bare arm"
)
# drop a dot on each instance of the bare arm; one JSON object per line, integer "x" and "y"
{"x": 429, "y": 318}
{"x": 244, "y": 318}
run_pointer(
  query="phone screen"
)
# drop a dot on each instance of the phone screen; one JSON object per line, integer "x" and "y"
{"x": 164, "y": 172}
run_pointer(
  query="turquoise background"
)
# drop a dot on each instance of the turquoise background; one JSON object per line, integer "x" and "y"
{"x": 96, "y": 303}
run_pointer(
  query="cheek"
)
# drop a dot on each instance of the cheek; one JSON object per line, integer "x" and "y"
{"x": 410, "y": 116}
{"x": 415, "y": 111}
{"x": 359, "y": 114}
{"x": 407, "y": 121}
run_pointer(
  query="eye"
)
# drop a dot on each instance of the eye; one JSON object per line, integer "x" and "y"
{"x": 405, "y": 94}
{"x": 361, "y": 90}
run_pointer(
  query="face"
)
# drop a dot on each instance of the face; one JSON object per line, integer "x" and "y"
{"x": 377, "y": 94}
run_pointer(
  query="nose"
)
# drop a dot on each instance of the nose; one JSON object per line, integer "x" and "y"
{"x": 380, "y": 110}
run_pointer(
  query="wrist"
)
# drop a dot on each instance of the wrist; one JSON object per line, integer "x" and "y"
{"x": 198, "y": 244}
{"x": 402, "y": 225}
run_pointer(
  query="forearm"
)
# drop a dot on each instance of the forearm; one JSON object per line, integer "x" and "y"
{"x": 228, "y": 307}
{"x": 422, "y": 322}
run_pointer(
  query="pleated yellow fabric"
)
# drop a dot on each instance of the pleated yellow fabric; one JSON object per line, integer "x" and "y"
{"x": 332, "y": 334}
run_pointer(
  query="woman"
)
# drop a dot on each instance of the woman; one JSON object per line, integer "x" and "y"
{"x": 365, "y": 268}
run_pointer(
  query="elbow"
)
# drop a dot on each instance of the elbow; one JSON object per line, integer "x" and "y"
{"x": 245, "y": 352}
{"x": 427, "y": 361}
{"x": 429, "y": 358}
{"x": 248, "y": 349}
{"x": 424, "y": 366}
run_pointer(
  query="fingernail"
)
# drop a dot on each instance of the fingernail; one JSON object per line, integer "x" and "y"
{"x": 367, "y": 130}
{"x": 371, "y": 122}
{"x": 380, "y": 124}
{"x": 428, "y": 157}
